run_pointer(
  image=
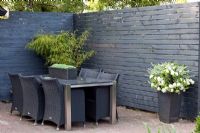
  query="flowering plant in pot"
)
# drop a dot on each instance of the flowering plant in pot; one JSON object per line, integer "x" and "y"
{"x": 170, "y": 80}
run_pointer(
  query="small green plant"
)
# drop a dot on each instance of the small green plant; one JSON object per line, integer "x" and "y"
{"x": 170, "y": 77}
{"x": 63, "y": 48}
{"x": 197, "y": 127}
{"x": 170, "y": 129}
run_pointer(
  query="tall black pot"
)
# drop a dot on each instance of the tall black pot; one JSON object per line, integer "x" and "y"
{"x": 169, "y": 107}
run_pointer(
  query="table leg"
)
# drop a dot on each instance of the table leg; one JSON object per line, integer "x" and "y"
{"x": 113, "y": 107}
{"x": 67, "y": 92}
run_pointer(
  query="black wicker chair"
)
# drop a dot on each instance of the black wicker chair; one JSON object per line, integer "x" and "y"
{"x": 98, "y": 99}
{"x": 89, "y": 73}
{"x": 33, "y": 98}
{"x": 54, "y": 103}
{"x": 17, "y": 94}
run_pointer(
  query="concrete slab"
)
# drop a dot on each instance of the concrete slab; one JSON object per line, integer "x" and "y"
{"x": 130, "y": 121}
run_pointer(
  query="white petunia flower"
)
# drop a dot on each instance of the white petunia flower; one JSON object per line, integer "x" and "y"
{"x": 159, "y": 79}
{"x": 178, "y": 84}
{"x": 171, "y": 86}
{"x": 162, "y": 82}
{"x": 176, "y": 73}
{"x": 182, "y": 88}
{"x": 177, "y": 91}
{"x": 152, "y": 85}
{"x": 187, "y": 81}
{"x": 164, "y": 90}
{"x": 151, "y": 76}
{"x": 169, "y": 68}
{"x": 174, "y": 85}
{"x": 191, "y": 81}
{"x": 172, "y": 73}
{"x": 158, "y": 88}
{"x": 167, "y": 71}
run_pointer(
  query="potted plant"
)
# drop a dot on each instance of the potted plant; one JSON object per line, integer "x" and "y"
{"x": 64, "y": 48}
{"x": 63, "y": 71}
{"x": 170, "y": 80}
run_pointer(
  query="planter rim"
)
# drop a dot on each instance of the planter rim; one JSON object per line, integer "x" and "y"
{"x": 170, "y": 92}
{"x": 61, "y": 68}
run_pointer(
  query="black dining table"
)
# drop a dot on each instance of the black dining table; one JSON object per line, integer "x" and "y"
{"x": 82, "y": 84}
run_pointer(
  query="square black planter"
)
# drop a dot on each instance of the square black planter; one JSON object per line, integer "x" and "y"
{"x": 169, "y": 107}
{"x": 68, "y": 74}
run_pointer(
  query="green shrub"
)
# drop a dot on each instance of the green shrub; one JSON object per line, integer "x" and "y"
{"x": 63, "y": 48}
{"x": 45, "y": 5}
{"x": 197, "y": 127}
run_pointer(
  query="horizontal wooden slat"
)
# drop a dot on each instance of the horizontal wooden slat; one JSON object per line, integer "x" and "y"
{"x": 15, "y": 33}
{"x": 128, "y": 41}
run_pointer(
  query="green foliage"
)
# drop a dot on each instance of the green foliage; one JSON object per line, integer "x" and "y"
{"x": 79, "y": 6}
{"x": 63, "y": 66}
{"x": 45, "y": 5}
{"x": 98, "y": 5}
{"x": 197, "y": 127}
{"x": 63, "y": 48}
{"x": 132, "y": 3}
{"x": 170, "y": 129}
{"x": 180, "y": 1}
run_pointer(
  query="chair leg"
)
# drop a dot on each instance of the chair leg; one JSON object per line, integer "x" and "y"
{"x": 21, "y": 118}
{"x": 84, "y": 125}
{"x": 11, "y": 111}
{"x": 97, "y": 123}
{"x": 35, "y": 123}
{"x": 117, "y": 116}
{"x": 58, "y": 128}
{"x": 42, "y": 123}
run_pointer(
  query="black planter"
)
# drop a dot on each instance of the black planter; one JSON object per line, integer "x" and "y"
{"x": 2, "y": 11}
{"x": 68, "y": 74}
{"x": 169, "y": 107}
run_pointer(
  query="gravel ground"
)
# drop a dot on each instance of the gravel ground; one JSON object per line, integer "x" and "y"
{"x": 130, "y": 121}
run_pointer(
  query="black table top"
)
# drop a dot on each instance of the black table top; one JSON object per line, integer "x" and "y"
{"x": 79, "y": 82}
{"x": 86, "y": 82}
